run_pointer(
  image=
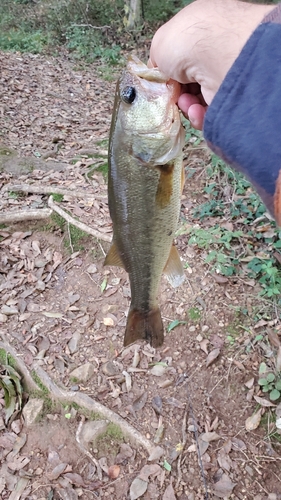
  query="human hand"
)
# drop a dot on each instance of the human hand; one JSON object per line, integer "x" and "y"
{"x": 198, "y": 46}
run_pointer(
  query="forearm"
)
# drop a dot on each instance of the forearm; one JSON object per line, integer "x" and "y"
{"x": 243, "y": 122}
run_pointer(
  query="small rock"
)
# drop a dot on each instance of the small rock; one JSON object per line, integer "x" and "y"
{"x": 40, "y": 285}
{"x": 3, "y": 318}
{"x": 192, "y": 328}
{"x": 74, "y": 341}
{"x": 91, "y": 430}
{"x": 272, "y": 496}
{"x": 74, "y": 388}
{"x": 92, "y": 269}
{"x": 83, "y": 372}
{"x": 110, "y": 369}
{"x": 32, "y": 411}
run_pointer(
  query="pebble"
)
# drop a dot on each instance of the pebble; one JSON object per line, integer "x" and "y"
{"x": 110, "y": 369}
{"x": 192, "y": 328}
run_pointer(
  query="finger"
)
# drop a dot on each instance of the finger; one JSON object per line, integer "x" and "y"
{"x": 186, "y": 100}
{"x": 196, "y": 114}
{"x": 150, "y": 63}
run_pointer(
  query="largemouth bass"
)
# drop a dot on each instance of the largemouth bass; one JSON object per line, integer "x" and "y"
{"x": 144, "y": 188}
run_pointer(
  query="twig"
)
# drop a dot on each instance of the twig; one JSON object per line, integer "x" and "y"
{"x": 206, "y": 496}
{"x": 39, "y": 189}
{"x": 184, "y": 438}
{"x": 69, "y": 237}
{"x": 32, "y": 214}
{"x": 74, "y": 222}
{"x": 90, "y": 26}
{"x": 78, "y": 435}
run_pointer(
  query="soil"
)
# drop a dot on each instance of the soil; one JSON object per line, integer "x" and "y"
{"x": 53, "y": 112}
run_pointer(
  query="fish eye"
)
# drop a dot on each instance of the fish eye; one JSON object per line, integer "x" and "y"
{"x": 128, "y": 94}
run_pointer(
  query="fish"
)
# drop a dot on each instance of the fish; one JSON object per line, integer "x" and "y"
{"x": 145, "y": 181}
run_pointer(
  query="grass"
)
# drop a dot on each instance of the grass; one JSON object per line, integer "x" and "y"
{"x": 108, "y": 443}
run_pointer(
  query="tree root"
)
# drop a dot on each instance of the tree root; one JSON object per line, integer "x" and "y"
{"x": 39, "y": 189}
{"x": 74, "y": 222}
{"x": 29, "y": 214}
{"x": 82, "y": 400}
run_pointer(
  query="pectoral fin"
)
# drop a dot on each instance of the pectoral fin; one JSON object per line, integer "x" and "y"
{"x": 182, "y": 178}
{"x": 113, "y": 257}
{"x": 174, "y": 269}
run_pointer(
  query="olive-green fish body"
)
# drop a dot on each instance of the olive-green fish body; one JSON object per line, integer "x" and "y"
{"x": 144, "y": 187}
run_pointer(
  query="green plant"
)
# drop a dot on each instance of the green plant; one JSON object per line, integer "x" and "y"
{"x": 270, "y": 382}
{"x": 194, "y": 314}
{"x": 268, "y": 275}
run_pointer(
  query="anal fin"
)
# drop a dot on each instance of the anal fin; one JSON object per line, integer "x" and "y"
{"x": 144, "y": 325}
{"x": 113, "y": 257}
{"x": 174, "y": 268}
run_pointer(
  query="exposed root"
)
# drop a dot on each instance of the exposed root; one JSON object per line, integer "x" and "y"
{"x": 82, "y": 400}
{"x": 74, "y": 222}
{"x": 39, "y": 189}
{"x": 22, "y": 215}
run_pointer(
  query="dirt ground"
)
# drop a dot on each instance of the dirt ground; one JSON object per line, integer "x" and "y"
{"x": 61, "y": 309}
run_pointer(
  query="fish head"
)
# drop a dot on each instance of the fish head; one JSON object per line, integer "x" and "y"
{"x": 148, "y": 115}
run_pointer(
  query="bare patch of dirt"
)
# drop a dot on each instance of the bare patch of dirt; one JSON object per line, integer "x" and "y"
{"x": 61, "y": 309}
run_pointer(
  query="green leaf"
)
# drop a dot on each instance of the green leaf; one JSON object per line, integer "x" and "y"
{"x": 103, "y": 285}
{"x": 262, "y": 381}
{"x": 270, "y": 377}
{"x": 167, "y": 466}
{"x": 278, "y": 385}
{"x": 258, "y": 337}
{"x": 175, "y": 323}
{"x": 274, "y": 395}
{"x": 68, "y": 415}
{"x": 262, "y": 368}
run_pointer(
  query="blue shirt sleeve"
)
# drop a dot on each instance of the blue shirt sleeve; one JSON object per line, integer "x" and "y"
{"x": 243, "y": 122}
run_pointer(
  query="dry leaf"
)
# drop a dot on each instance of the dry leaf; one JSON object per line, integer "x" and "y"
{"x": 249, "y": 384}
{"x": 253, "y": 421}
{"x": 208, "y": 437}
{"x": 169, "y": 493}
{"x": 149, "y": 470}
{"x": 278, "y": 360}
{"x": 203, "y": 345}
{"x": 108, "y": 322}
{"x": 158, "y": 370}
{"x": 18, "y": 463}
{"x": 138, "y": 488}
{"x": 139, "y": 402}
{"x": 274, "y": 339}
{"x": 223, "y": 488}
{"x": 212, "y": 356}
{"x": 263, "y": 402}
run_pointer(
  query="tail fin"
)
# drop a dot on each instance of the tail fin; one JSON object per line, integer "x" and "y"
{"x": 144, "y": 325}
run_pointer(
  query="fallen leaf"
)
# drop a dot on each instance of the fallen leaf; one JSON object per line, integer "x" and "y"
{"x": 157, "y": 404}
{"x": 139, "y": 402}
{"x": 156, "y": 453}
{"x": 138, "y": 488}
{"x": 124, "y": 453}
{"x": 158, "y": 370}
{"x": 169, "y": 493}
{"x": 149, "y": 470}
{"x": 18, "y": 463}
{"x": 253, "y": 421}
{"x": 263, "y": 402}
{"x": 57, "y": 471}
{"x": 212, "y": 356}
{"x": 208, "y": 437}
{"x": 223, "y": 488}
{"x": 108, "y": 322}
{"x": 221, "y": 280}
{"x": 278, "y": 360}
{"x": 249, "y": 384}
{"x": 274, "y": 339}
{"x": 203, "y": 345}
